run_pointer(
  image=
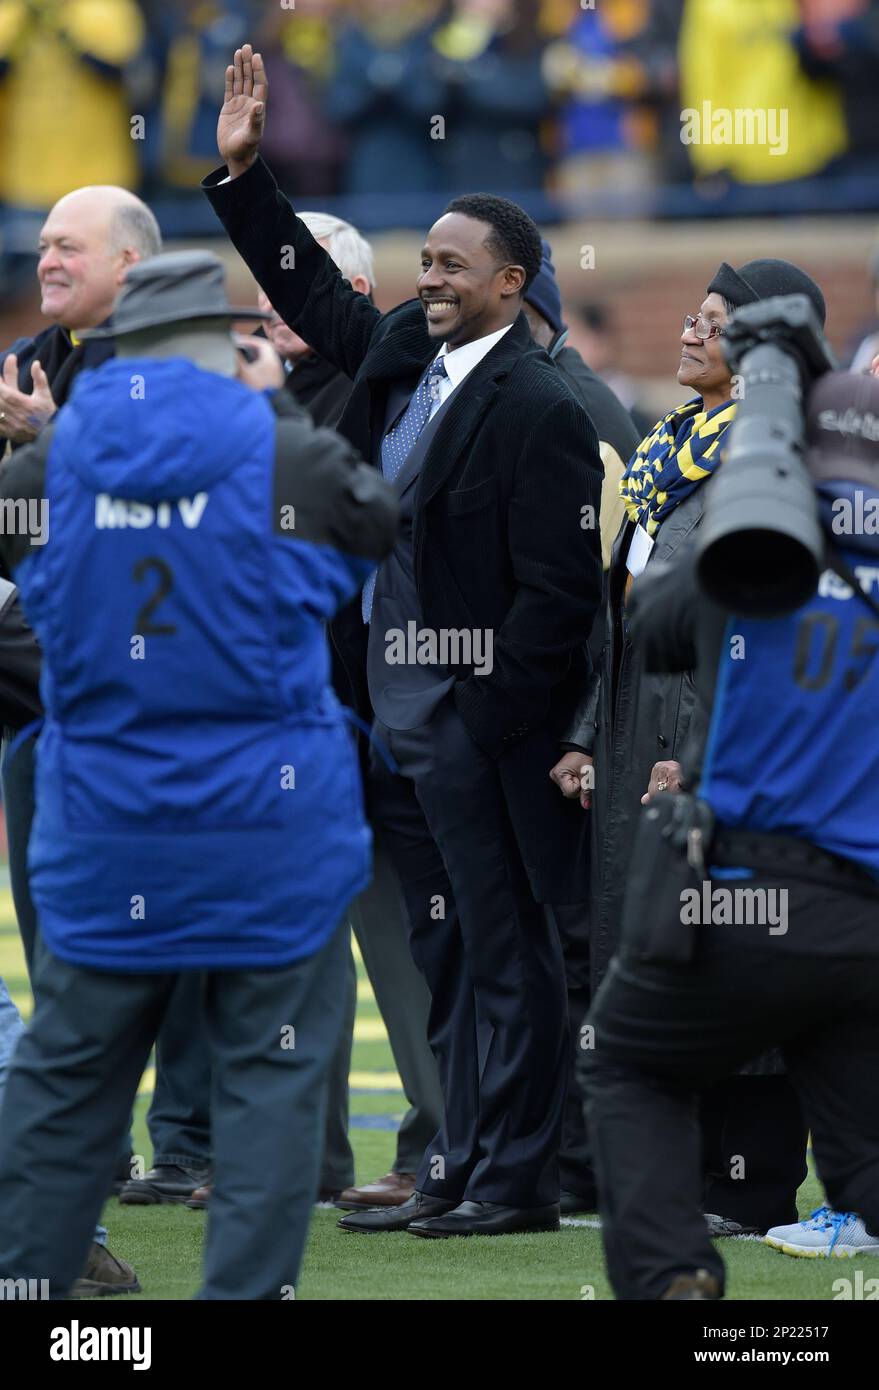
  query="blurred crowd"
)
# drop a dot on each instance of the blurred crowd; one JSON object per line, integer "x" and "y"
{"x": 372, "y": 97}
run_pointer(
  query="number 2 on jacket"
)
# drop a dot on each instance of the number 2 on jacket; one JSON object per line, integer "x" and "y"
{"x": 143, "y": 623}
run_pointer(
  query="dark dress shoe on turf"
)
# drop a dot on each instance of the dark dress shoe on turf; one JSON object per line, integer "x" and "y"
{"x": 380, "y": 1219}
{"x": 390, "y": 1191}
{"x": 121, "y": 1176}
{"x": 698, "y": 1286}
{"x": 573, "y": 1204}
{"x": 104, "y": 1275}
{"x": 720, "y": 1226}
{"x": 487, "y": 1219}
{"x": 166, "y": 1183}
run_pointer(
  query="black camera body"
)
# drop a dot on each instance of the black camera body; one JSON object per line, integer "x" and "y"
{"x": 788, "y": 321}
{"x": 761, "y": 548}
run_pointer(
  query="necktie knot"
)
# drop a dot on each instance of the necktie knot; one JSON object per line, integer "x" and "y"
{"x": 438, "y": 368}
{"x": 436, "y": 374}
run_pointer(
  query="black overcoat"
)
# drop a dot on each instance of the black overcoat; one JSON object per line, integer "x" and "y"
{"x": 504, "y": 490}
{"x": 629, "y": 719}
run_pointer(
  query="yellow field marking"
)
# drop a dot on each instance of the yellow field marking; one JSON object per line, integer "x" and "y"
{"x": 370, "y": 1030}
{"x": 23, "y": 1002}
{"x": 375, "y": 1081}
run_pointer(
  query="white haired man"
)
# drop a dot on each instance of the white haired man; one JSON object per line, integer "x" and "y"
{"x": 314, "y": 382}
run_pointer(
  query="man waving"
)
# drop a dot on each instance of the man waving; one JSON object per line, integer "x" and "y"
{"x": 472, "y": 637}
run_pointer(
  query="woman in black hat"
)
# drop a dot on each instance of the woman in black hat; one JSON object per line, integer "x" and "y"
{"x": 627, "y": 740}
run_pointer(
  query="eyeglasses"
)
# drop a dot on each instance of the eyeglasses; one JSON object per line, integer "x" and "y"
{"x": 703, "y": 327}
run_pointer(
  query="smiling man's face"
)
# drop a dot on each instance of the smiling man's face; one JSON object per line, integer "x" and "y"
{"x": 465, "y": 291}
{"x": 702, "y": 366}
{"x": 79, "y": 271}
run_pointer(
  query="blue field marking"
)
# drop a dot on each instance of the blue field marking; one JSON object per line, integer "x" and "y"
{"x": 388, "y": 1122}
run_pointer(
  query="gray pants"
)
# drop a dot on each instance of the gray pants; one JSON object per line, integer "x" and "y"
{"x": 70, "y": 1090}
{"x": 178, "y": 1120}
{"x": 381, "y": 926}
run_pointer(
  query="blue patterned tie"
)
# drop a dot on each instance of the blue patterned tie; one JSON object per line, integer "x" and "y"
{"x": 399, "y": 440}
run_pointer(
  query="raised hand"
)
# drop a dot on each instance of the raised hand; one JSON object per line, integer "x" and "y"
{"x": 243, "y": 113}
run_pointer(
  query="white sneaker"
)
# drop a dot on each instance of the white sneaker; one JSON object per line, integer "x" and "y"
{"x": 826, "y": 1234}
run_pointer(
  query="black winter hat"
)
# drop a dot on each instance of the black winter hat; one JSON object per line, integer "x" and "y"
{"x": 543, "y": 292}
{"x": 762, "y": 279}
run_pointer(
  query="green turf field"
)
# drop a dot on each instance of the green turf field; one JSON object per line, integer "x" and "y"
{"x": 164, "y": 1243}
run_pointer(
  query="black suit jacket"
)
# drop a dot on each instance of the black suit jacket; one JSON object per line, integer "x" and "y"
{"x": 497, "y": 534}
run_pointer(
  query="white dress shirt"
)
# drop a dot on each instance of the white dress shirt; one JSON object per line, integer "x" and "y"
{"x": 460, "y": 363}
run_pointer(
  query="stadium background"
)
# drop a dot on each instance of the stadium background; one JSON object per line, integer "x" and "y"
{"x": 573, "y": 109}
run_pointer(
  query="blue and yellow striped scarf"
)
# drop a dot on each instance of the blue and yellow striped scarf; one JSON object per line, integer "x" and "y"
{"x": 670, "y": 462}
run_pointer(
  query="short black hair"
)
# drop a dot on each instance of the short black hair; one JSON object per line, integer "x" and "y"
{"x": 513, "y": 238}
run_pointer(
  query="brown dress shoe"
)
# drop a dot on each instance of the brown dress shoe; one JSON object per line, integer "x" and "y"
{"x": 200, "y": 1198}
{"x": 390, "y": 1191}
{"x": 104, "y": 1274}
{"x": 699, "y": 1285}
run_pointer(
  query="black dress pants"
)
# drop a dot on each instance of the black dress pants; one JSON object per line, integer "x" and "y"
{"x": 576, "y": 1173}
{"x": 492, "y": 962}
{"x": 759, "y": 1116}
{"x": 663, "y": 1032}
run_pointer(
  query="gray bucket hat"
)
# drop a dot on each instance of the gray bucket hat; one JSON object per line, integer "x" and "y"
{"x": 171, "y": 288}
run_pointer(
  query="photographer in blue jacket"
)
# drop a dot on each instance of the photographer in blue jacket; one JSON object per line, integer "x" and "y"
{"x": 198, "y": 797}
